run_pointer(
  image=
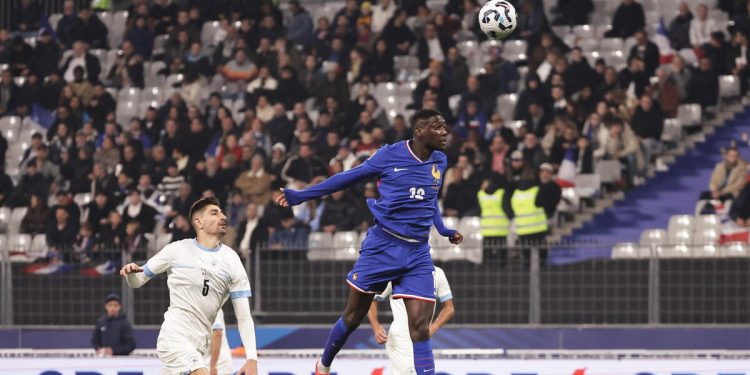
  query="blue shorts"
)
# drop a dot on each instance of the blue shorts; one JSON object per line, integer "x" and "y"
{"x": 385, "y": 258}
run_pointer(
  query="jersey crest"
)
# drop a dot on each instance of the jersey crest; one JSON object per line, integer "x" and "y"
{"x": 436, "y": 176}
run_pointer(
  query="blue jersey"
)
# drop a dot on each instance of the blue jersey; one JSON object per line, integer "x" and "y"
{"x": 408, "y": 203}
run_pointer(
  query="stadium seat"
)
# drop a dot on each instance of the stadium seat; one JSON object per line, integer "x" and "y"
{"x": 706, "y": 236}
{"x": 674, "y": 251}
{"x": 127, "y": 110}
{"x": 707, "y": 251}
{"x": 106, "y": 18}
{"x": 161, "y": 241}
{"x": 469, "y": 224}
{"x": 129, "y": 94}
{"x": 630, "y": 250}
{"x": 561, "y": 31}
{"x": 14, "y": 225}
{"x": 10, "y": 123}
{"x": 3, "y": 244}
{"x": 736, "y": 250}
{"x": 488, "y": 45}
{"x": 18, "y": 246}
{"x": 516, "y": 126}
{"x": 610, "y": 44}
{"x": 652, "y": 237}
{"x": 209, "y": 29}
{"x": 472, "y": 247}
{"x": 616, "y": 59}
{"x": 587, "y": 185}
{"x": 705, "y": 221}
{"x": 584, "y": 31}
{"x": 4, "y": 217}
{"x": 38, "y": 247}
{"x": 319, "y": 246}
{"x": 406, "y": 62}
{"x": 609, "y": 171}
{"x": 54, "y": 19}
{"x": 678, "y": 222}
{"x": 679, "y": 236}
{"x": 506, "y": 105}
{"x": 346, "y": 245}
{"x": 729, "y": 87}
{"x": 672, "y": 130}
{"x": 82, "y": 199}
{"x": 152, "y": 93}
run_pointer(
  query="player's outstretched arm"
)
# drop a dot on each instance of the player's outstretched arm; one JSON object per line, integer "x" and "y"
{"x": 246, "y": 327}
{"x": 372, "y": 315}
{"x": 339, "y": 181}
{"x": 134, "y": 275}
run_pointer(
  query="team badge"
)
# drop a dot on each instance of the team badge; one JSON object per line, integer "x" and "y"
{"x": 355, "y": 276}
{"x": 436, "y": 176}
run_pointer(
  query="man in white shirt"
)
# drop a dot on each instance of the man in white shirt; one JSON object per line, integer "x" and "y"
{"x": 701, "y": 27}
{"x": 221, "y": 356}
{"x": 397, "y": 341}
{"x": 201, "y": 274}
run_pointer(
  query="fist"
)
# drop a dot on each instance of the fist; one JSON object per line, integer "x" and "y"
{"x": 130, "y": 268}
{"x": 456, "y": 238}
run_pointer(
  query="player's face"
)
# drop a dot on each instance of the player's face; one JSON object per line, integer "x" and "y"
{"x": 434, "y": 133}
{"x": 213, "y": 221}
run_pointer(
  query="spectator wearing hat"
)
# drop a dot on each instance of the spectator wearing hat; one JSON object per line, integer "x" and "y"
{"x": 113, "y": 334}
{"x": 519, "y": 168}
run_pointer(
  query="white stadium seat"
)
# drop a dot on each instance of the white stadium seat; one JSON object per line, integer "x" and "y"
{"x": 680, "y": 222}
{"x": 653, "y": 237}
{"x": 346, "y": 245}
{"x": 319, "y": 246}
{"x": 630, "y": 250}
{"x": 14, "y": 225}
{"x": 672, "y": 130}
{"x": 38, "y": 248}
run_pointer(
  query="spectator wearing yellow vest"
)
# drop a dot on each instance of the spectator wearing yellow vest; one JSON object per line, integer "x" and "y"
{"x": 532, "y": 203}
{"x": 494, "y": 222}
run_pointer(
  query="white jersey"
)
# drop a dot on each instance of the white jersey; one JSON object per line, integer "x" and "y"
{"x": 398, "y": 332}
{"x": 200, "y": 280}
{"x": 224, "y": 363}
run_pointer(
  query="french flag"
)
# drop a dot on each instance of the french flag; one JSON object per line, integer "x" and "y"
{"x": 107, "y": 268}
{"x": 51, "y": 268}
{"x": 567, "y": 172}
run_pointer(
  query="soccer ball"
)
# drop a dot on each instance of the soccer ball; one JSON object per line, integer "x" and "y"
{"x": 497, "y": 19}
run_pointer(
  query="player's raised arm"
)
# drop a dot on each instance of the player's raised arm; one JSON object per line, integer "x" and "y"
{"x": 136, "y": 275}
{"x": 339, "y": 181}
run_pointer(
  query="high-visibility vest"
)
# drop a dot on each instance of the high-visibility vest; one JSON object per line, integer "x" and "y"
{"x": 494, "y": 222}
{"x": 529, "y": 218}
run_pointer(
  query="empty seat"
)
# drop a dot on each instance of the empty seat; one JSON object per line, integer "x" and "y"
{"x": 346, "y": 245}
{"x": 672, "y": 130}
{"x": 18, "y": 247}
{"x": 678, "y": 222}
{"x": 506, "y": 105}
{"x": 129, "y": 94}
{"x": 584, "y": 31}
{"x": 587, "y": 185}
{"x": 679, "y": 236}
{"x": 630, "y": 250}
{"x": 54, "y": 19}
{"x": 469, "y": 224}
{"x": 561, "y": 31}
{"x": 319, "y": 246}
{"x": 609, "y": 171}
{"x": 689, "y": 114}
{"x": 706, "y": 236}
{"x": 406, "y": 62}
{"x": 38, "y": 248}
{"x": 736, "y": 250}
{"x": 653, "y": 237}
{"x": 82, "y": 199}
{"x": 4, "y": 218}
{"x": 674, "y": 251}
{"x": 611, "y": 44}
{"x": 14, "y": 225}
{"x": 3, "y": 244}
{"x": 209, "y": 29}
{"x": 729, "y": 87}
{"x": 707, "y": 251}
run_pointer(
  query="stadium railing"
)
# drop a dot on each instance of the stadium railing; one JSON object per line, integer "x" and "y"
{"x": 548, "y": 284}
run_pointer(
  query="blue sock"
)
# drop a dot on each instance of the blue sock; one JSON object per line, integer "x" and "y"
{"x": 424, "y": 362}
{"x": 336, "y": 340}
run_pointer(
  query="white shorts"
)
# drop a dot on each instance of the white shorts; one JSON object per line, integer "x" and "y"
{"x": 180, "y": 358}
{"x": 401, "y": 356}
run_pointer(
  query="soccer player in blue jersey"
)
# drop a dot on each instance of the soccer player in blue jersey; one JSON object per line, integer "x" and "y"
{"x": 395, "y": 249}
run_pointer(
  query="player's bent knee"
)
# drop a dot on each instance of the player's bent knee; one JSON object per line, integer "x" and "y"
{"x": 353, "y": 318}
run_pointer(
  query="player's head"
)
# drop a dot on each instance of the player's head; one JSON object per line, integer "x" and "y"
{"x": 207, "y": 217}
{"x": 430, "y": 128}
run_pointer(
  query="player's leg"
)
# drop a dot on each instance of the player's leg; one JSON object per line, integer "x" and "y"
{"x": 356, "y": 309}
{"x": 420, "y": 314}
{"x": 200, "y": 371}
{"x": 417, "y": 288}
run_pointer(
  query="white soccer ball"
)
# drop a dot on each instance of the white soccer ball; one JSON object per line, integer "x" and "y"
{"x": 498, "y": 19}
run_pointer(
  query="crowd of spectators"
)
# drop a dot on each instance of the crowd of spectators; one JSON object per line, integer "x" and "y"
{"x": 143, "y": 173}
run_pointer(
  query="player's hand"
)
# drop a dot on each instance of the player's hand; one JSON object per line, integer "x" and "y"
{"x": 456, "y": 238}
{"x": 130, "y": 268}
{"x": 380, "y": 336}
{"x": 250, "y": 368}
{"x": 281, "y": 199}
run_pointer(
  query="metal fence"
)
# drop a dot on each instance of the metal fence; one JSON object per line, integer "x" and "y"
{"x": 492, "y": 288}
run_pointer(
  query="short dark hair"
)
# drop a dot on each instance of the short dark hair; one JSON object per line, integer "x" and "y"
{"x": 423, "y": 114}
{"x": 200, "y": 204}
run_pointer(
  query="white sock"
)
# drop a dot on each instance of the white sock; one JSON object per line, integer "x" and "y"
{"x": 322, "y": 369}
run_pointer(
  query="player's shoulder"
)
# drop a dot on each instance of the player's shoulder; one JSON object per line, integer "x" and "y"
{"x": 389, "y": 149}
{"x": 229, "y": 253}
{"x": 440, "y": 156}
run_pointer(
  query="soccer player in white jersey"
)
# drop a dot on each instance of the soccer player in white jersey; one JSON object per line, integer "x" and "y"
{"x": 201, "y": 274}
{"x": 397, "y": 341}
{"x": 221, "y": 356}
